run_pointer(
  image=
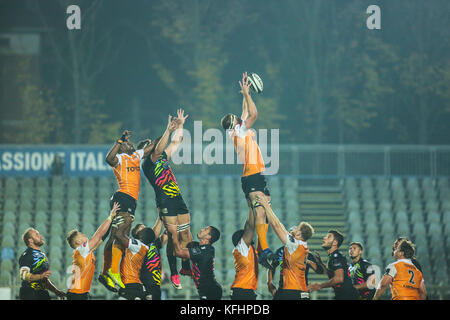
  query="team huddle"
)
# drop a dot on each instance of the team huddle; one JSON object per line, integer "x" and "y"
{"x": 132, "y": 253}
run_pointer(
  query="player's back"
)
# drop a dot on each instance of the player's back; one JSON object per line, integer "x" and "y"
{"x": 246, "y": 266}
{"x": 131, "y": 264}
{"x": 406, "y": 280}
{"x": 294, "y": 266}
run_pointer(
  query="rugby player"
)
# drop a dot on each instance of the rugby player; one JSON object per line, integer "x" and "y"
{"x": 34, "y": 269}
{"x": 125, "y": 161}
{"x": 169, "y": 201}
{"x": 83, "y": 265}
{"x": 337, "y": 269}
{"x": 201, "y": 254}
{"x": 294, "y": 255}
{"x": 311, "y": 263}
{"x": 404, "y": 278}
{"x": 360, "y": 271}
{"x": 245, "y": 261}
{"x": 253, "y": 180}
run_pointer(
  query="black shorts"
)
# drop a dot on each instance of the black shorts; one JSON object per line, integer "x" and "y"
{"x": 127, "y": 203}
{"x": 171, "y": 207}
{"x": 26, "y": 293}
{"x": 132, "y": 291}
{"x": 254, "y": 182}
{"x": 242, "y": 294}
{"x": 213, "y": 291}
{"x": 152, "y": 292}
{"x": 77, "y": 296}
{"x": 289, "y": 294}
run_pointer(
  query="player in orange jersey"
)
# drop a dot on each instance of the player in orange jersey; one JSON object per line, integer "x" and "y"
{"x": 83, "y": 265}
{"x": 253, "y": 180}
{"x": 404, "y": 278}
{"x": 294, "y": 256}
{"x": 245, "y": 262}
{"x": 137, "y": 249}
{"x": 125, "y": 161}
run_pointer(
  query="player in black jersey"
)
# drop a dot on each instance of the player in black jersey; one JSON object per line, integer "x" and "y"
{"x": 360, "y": 271}
{"x": 171, "y": 206}
{"x": 337, "y": 269}
{"x": 34, "y": 269}
{"x": 202, "y": 255}
{"x": 311, "y": 263}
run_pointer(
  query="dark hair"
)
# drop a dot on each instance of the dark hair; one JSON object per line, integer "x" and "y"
{"x": 215, "y": 234}
{"x": 407, "y": 247}
{"x": 147, "y": 236}
{"x": 237, "y": 236}
{"x": 155, "y": 143}
{"x": 71, "y": 238}
{"x": 134, "y": 230}
{"x": 142, "y": 144}
{"x": 226, "y": 121}
{"x": 359, "y": 244}
{"x": 338, "y": 236}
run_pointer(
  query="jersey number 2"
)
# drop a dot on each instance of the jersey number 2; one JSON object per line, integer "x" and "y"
{"x": 411, "y": 280}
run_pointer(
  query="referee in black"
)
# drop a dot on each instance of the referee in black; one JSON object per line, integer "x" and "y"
{"x": 34, "y": 269}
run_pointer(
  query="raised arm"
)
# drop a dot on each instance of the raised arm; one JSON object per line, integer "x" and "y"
{"x": 111, "y": 158}
{"x": 252, "y": 112}
{"x": 244, "y": 114}
{"x": 162, "y": 143}
{"x": 177, "y": 137}
{"x": 274, "y": 222}
{"x": 422, "y": 290}
{"x": 249, "y": 228}
{"x": 382, "y": 286}
{"x": 96, "y": 239}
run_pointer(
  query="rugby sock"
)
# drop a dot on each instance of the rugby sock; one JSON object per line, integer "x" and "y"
{"x": 106, "y": 260}
{"x": 185, "y": 264}
{"x": 261, "y": 231}
{"x": 172, "y": 260}
{"x": 116, "y": 257}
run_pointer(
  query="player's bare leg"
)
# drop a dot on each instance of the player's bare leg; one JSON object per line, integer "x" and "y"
{"x": 171, "y": 224}
{"x": 185, "y": 237}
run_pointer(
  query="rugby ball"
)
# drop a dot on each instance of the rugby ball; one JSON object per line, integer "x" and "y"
{"x": 256, "y": 83}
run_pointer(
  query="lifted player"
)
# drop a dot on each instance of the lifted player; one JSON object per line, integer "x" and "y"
{"x": 169, "y": 201}
{"x": 253, "y": 180}
{"x": 125, "y": 161}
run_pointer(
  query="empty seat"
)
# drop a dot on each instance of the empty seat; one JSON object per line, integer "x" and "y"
{"x": 401, "y": 217}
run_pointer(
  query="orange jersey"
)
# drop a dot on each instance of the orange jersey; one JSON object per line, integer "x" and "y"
{"x": 130, "y": 267}
{"x": 128, "y": 172}
{"x": 246, "y": 265}
{"x": 294, "y": 264}
{"x": 247, "y": 149}
{"x": 406, "y": 279}
{"x": 83, "y": 267}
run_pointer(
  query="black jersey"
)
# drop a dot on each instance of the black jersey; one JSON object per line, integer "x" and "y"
{"x": 344, "y": 290}
{"x": 151, "y": 266}
{"x": 161, "y": 177}
{"x": 37, "y": 263}
{"x": 360, "y": 271}
{"x": 280, "y": 253}
{"x": 202, "y": 259}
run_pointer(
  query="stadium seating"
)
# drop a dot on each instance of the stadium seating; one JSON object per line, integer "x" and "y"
{"x": 377, "y": 211}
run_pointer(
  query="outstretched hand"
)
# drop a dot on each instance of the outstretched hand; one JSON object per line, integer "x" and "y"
{"x": 181, "y": 117}
{"x": 244, "y": 84}
{"x": 114, "y": 210}
{"x": 125, "y": 135}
